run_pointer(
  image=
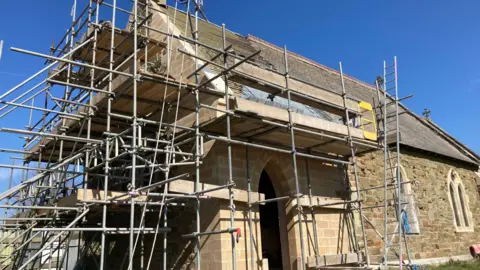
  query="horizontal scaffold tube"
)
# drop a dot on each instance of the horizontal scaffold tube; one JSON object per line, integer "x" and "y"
{"x": 108, "y": 230}
{"x": 44, "y": 69}
{"x": 254, "y": 145}
{"x": 39, "y": 176}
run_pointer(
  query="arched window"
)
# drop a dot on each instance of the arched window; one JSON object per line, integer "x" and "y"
{"x": 461, "y": 196}
{"x": 410, "y": 208}
{"x": 453, "y": 199}
{"x": 459, "y": 202}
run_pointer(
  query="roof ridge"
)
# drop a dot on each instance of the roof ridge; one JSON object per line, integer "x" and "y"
{"x": 466, "y": 151}
{"x": 447, "y": 137}
{"x": 308, "y": 60}
{"x": 450, "y": 137}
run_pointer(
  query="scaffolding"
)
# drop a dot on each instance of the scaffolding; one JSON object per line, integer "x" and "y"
{"x": 395, "y": 202}
{"x": 75, "y": 141}
{"x": 1, "y": 49}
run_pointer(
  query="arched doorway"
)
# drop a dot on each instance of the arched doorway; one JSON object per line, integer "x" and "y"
{"x": 270, "y": 225}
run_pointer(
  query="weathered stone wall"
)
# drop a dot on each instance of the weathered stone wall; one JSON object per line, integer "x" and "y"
{"x": 181, "y": 65}
{"x": 327, "y": 181}
{"x": 438, "y": 236}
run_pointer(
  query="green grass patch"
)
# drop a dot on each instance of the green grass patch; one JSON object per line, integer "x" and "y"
{"x": 457, "y": 265}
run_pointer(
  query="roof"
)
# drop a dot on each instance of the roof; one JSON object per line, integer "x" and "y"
{"x": 415, "y": 132}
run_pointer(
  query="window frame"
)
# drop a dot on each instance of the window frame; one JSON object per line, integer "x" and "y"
{"x": 454, "y": 203}
{"x": 407, "y": 192}
{"x": 459, "y": 202}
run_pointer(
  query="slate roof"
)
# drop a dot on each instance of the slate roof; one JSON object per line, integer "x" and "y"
{"x": 415, "y": 132}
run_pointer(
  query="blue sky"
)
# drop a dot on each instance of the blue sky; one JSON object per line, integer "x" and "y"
{"x": 436, "y": 43}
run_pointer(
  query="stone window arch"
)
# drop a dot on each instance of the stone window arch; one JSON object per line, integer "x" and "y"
{"x": 453, "y": 199}
{"x": 410, "y": 208}
{"x": 459, "y": 202}
{"x": 463, "y": 206}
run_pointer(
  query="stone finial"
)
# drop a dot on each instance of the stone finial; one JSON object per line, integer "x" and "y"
{"x": 426, "y": 113}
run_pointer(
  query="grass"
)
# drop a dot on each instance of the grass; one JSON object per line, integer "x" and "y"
{"x": 457, "y": 265}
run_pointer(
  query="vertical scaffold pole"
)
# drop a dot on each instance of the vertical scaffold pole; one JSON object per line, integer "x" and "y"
{"x": 92, "y": 85}
{"x": 69, "y": 72}
{"x": 107, "y": 143}
{"x": 249, "y": 197}
{"x": 399, "y": 185}
{"x": 229, "y": 150}
{"x": 312, "y": 211}
{"x": 395, "y": 173}
{"x": 197, "y": 145}
{"x": 294, "y": 160}
{"x": 1, "y": 49}
{"x": 165, "y": 224}
{"x": 134, "y": 131}
{"x": 354, "y": 165}
{"x": 385, "y": 171}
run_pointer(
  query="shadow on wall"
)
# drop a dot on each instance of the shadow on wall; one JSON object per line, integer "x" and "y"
{"x": 180, "y": 252}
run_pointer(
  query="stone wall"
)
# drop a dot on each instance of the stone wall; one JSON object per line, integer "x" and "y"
{"x": 180, "y": 251}
{"x": 327, "y": 182}
{"x": 438, "y": 236}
